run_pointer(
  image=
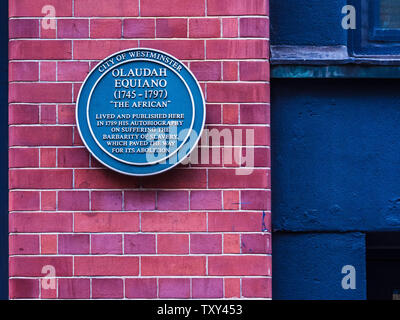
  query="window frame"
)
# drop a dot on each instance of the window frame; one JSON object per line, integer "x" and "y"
{"x": 369, "y": 39}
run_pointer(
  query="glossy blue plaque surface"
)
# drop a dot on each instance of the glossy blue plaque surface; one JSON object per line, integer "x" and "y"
{"x": 140, "y": 112}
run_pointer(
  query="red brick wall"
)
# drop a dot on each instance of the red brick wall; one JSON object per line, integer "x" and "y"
{"x": 198, "y": 231}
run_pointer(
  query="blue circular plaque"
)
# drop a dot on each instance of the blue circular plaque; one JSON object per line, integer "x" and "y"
{"x": 140, "y": 112}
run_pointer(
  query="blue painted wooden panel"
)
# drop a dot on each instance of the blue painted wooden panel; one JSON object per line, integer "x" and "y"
{"x": 4, "y": 150}
{"x": 309, "y": 266}
{"x": 307, "y": 22}
{"x": 336, "y": 155}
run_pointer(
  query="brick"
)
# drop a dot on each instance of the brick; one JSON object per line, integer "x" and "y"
{"x": 235, "y": 222}
{"x": 48, "y": 114}
{"x": 173, "y": 222}
{"x": 256, "y": 243}
{"x": 73, "y": 243}
{"x": 72, "y": 158}
{"x": 231, "y": 200}
{"x": 213, "y": 114}
{"x": 205, "y": 200}
{"x": 40, "y": 136}
{"x": 24, "y": 288}
{"x": 24, "y": 200}
{"x": 49, "y": 293}
{"x": 72, "y": 28}
{"x": 48, "y": 70}
{"x": 237, "y": 49}
{"x": 262, "y": 157}
{"x": 48, "y": 157}
{"x": 106, "y": 222}
{"x": 173, "y": 266}
{"x": 239, "y": 265}
{"x": 177, "y": 179}
{"x": 231, "y": 70}
{"x": 257, "y": 287}
{"x": 49, "y": 200}
{"x": 23, "y": 114}
{"x": 230, "y": 27}
{"x": 205, "y": 243}
{"x": 102, "y": 8}
{"x": 139, "y": 28}
{"x": 50, "y": 33}
{"x": 206, "y": 70}
{"x": 139, "y": 244}
{"x": 173, "y": 200}
{"x": 231, "y": 243}
{"x": 140, "y": 200}
{"x": 174, "y": 288}
{"x": 254, "y": 71}
{"x": 40, "y": 222}
{"x": 77, "y": 138}
{"x": 237, "y": 7}
{"x": 106, "y": 200}
{"x": 254, "y": 27}
{"x": 172, "y": 244}
{"x": 72, "y": 71}
{"x": 48, "y": 244}
{"x": 106, "y": 266}
{"x": 20, "y": 244}
{"x": 23, "y": 71}
{"x": 227, "y": 178}
{"x": 256, "y": 199}
{"x": 40, "y": 179}
{"x": 232, "y": 288}
{"x": 100, "y": 49}
{"x": 66, "y": 114}
{"x": 204, "y": 28}
{"x": 238, "y": 92}
{"x": 74, "y": 288}
{"x": 40, "y": 50}
{"x": 253, "y": 114}
{"x": 32, "y": 266}
{"x": 181, "y": 49}
{"x": 27, "y": 8}
{"x": 107, "y": 288}
{"x": 231, "y": 114}
{"x": 105, "y": 28}
{"x": 141, "y": 288}
{"x": 76, "y": 88}
{"x": 171, "y": 28}
{"x": 73, "y": 200}
{"x": 40, "y": 92}
{"x": 240, "y": 136}
{"x": 103, "y": 179}
{"x": 24, "y": 158}
{"x": 106, "y": 244}
{"x": 161, "y": 8}
{"x": 208, "y": 288}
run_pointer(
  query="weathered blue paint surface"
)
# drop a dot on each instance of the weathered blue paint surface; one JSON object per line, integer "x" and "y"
{"x": 336, "y": 155}
{"x": 4, "y": 151}
{"x": 309, "y": 266}
{"x": 336, "y": 172}
{"x": 307, "y": 22}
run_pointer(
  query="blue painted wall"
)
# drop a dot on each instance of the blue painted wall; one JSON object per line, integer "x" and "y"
{"x": 307, "y": 22}
{"x": 335, "y": 175}
{"x": 309, "y": 265}
{"x": 336, "y": 155}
